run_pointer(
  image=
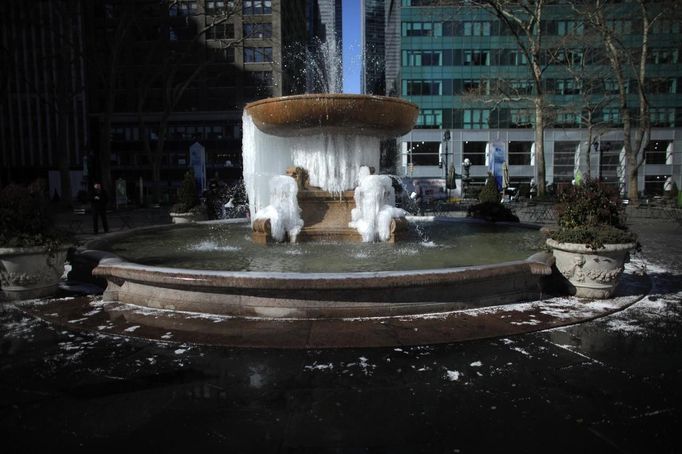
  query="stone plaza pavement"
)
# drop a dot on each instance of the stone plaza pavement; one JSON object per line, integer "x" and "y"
{"x": 608, "y": 385}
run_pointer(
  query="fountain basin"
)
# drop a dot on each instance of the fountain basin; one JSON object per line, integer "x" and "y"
{"x": 319, "y": 295}
{"x": 302, "y": 115}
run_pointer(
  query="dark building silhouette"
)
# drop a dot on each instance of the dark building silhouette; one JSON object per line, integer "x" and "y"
{"x": 125, "y": 87}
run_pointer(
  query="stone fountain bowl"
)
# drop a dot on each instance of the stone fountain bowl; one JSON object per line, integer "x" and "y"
{"x": 377, "y": 116}
{"x": 317, "y": 295}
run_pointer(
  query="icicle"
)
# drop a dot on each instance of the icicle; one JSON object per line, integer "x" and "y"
{"x": 283, "y": 211}
{"x": 374, "y": 207}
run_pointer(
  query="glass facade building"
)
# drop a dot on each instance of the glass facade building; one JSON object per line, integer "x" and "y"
{"x": 464, "y": 68}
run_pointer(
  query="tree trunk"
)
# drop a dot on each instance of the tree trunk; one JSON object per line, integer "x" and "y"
{"x": 540, "y": 146}
{"x": 156, "y": 160}
{"x": 63, "y": 161}
{"x": 156, "y": 180}
{"x": 105, "y": 156}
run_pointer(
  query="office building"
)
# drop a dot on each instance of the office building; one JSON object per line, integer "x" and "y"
{"x": 145, "y": 80}
{"x": 455, "y": 59}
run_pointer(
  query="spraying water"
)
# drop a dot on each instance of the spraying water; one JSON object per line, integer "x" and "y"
{"x": 321, "y": 63}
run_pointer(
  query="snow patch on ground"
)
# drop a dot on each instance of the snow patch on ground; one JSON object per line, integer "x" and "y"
{"x": 452, "y": 375}
{"x": 315, "y": 366}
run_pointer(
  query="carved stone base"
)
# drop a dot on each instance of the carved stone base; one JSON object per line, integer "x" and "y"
{"x": 27, "y": 273}
{"x": 326, "y": 217}
{"x": 590, "y": 273}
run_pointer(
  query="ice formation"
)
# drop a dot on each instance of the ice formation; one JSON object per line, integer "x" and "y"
{"x": 264, "y": 157}
{"x": 283, "y": 210}
{"x": 374, "y": 207}
{"x": 332, "y": 160}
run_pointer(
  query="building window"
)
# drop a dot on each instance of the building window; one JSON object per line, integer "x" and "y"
{"x": 222, "y": 54}
{"x": 621, "y": 27}
{"x": 253, "y": 7}
{"x": 661, "y": 86}
{"x": 183, "y": 8}
{"x": 430, "y": 118}
{"x": 572, "y": 57}
{"x": 422, "y": 58}
{"x": 609, "y": 160}
{"x": 476, "y": 28}
{"x": 564, "y": 161}
{"x": 654, "y": 184}
{"x": 513, "y": 58}
{"x": 218, "y": 7}
{"x": 422, "y": 87}
{"x": 423, "y": 153}
{"x": 474, "y": 86}
{"x": 611, "y": 87}
{"x": 567, "y": 120}
{"x": 257, "y": 54}
{"x": 221, "y": 31}
{"x": 521, "y": 118}
{"x": 567, "y": 87}
{"x": 663, "y": 56}
{"x": 666, "y": 27}
{"x": 474, "y": 152}
{"x": 611, "y": 115}
{"x": 422, "y": 29}
{"x": 476, "y": 118}
{"x": 656, "y": 152}
{"x": 260, "y": 30}
{"x": 519, "y": 86}
{"x": 260, "y": 78}
{"x": 662, "y": 117}
{"x": 519, "y": 153}
{"x": 569, "y": 27}
{"x": 477, "y": 57}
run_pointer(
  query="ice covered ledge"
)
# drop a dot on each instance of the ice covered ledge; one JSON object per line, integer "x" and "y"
{"x": 326, "y": 217}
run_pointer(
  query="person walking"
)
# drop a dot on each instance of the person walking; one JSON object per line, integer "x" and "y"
{"x": 99, "y": 201}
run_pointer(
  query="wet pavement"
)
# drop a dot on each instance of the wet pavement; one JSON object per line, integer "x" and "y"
{"x": 608, "y": 385}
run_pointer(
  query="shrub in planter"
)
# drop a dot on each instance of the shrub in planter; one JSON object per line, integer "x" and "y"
{"x": 591, "y": 213}
{"x": 32, "y": 249}
{"x": 492, "y": 212}
{"x": 490, "y": 208}
{"x": 188, "y": 208}
{"x": 489, "y": 193}
{"x": 188, "y": 196}
{"x": 591, "y": 242}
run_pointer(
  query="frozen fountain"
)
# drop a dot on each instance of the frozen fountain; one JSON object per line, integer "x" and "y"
{"x": 328, "y": 144}
{"x": 308, "y": 164}
{"x": 338, "y": 270}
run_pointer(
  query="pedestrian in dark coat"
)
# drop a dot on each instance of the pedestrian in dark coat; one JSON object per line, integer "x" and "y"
{"x": 99, "y": 200}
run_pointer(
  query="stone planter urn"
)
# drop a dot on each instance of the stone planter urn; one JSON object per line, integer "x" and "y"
{"x": 30, "y": 272}
{"x": 591, "y": 273}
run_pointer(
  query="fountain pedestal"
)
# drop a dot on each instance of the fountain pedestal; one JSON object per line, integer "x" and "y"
{"x": 333, "y": 136}
{"x": 326, "y": 217}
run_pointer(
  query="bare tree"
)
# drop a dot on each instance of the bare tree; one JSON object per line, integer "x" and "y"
{"x": 628, "y": 61}
{"x": 523, "y": 18}
{"x": 583, "y": 63}
{"x": 106, "y": 65}
{"x": 174, "y": 67}
{"x": 60, "y": 85}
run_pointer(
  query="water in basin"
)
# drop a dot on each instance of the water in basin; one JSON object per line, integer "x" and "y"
{"x": 228, "y": 247}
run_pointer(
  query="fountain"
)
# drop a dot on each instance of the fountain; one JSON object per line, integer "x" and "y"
{"x": 328, "y": 142}
{"x": 323, "y": 142}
